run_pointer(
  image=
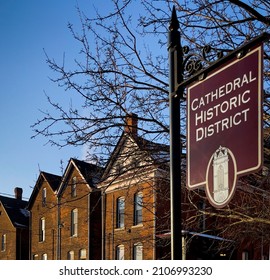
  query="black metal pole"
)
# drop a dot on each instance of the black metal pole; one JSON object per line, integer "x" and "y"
{"x": 175, "y": 77}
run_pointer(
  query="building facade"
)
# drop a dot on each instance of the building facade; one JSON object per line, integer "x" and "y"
{"x": 79, "y": 212}
{"x": 122, "y": 211}
{"x": 43, "y": 219}
{"x": 14, "y": 227}
{"x": 132, "y": 188}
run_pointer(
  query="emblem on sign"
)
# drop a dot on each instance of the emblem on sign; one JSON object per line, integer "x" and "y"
{"x": 220, "y": 176}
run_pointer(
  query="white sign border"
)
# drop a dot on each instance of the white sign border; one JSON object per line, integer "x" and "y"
{"x": 258, "y": 165}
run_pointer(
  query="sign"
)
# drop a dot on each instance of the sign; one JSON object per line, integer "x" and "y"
{"x": 224, "y": 127}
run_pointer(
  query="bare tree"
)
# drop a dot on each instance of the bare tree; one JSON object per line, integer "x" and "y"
{"x": 122, "y": 68}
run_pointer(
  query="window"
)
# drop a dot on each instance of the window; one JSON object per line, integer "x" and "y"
{"x": 74, "y": 222}
{"x": 82, "y": 254}
{"x": 42, "y": 230}
{"x": 35, "y": 257}
{"x": 138, "y": 251}
{"x": 44, "y": 196}
{"x": 3, "y": 242}
{"x": 74, "y": 187}
{"x": 138, "y": 208}
{"x": 245, "y": 255}
{"x": 120, "y": 252}
{"x": 120, "y": 215}
{"x": 44, "y": 257}
{"x": 70, "y": 255}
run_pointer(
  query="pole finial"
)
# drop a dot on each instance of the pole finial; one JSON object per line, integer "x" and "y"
{"x": 174, "y": 23}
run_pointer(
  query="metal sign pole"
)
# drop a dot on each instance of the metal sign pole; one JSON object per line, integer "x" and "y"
{"x": 175, "y": 77}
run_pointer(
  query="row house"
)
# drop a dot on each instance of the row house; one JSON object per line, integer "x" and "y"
{"x": 79, "y": 212}
{"x": 43, "y": 217}
{"x": 14, "y": 227}
{"x": 122, "y": 211}
{"x": 135, "y": 192}
{"x": 66, "y": 214}
{"x": 112, "y": 213}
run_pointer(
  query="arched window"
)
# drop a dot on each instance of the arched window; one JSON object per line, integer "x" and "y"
{"x": 74, "y": 187}
{"x": 82, "y": 254}
{"x": 120, "y": 252}
{"x": 138, "y": 251}
{"x": 44, "y": 196}
{"x": 42, "y": 229}
{"x": 70, "y": 255}
{"x": 74, "y": 222}
{"x": 3, "y": 242}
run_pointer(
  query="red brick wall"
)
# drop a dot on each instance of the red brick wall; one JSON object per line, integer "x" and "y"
{"x": 67, "y": 204}
{"x": 7, "y": 228}
{"x": 49, "y": 212}
{"x": 130, "y": 234}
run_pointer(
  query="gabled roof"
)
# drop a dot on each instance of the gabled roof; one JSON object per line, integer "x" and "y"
{"x": 158, "y": 153}
{"x": 91, "y": 173}
{"x": 52, "y": 180}
{"x": 16, "y": 211}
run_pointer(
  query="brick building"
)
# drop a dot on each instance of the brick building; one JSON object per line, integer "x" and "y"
{"x": 123, "y": 211}
{"x": 135, "y": 197}
{"x": 43, "y": 222}
{"x": 79, "y": 212}
{"x": 14, "y": 227}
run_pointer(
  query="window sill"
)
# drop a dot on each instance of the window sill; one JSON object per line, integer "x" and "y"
{"x": 137, "y": 226}
{"x": 119, "y": 229}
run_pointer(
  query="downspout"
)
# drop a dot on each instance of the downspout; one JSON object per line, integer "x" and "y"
{"x": 58, "y": 229}
{"x": 89, "y": 225}
{"x": 20, "y": 242}
{"x": 103, "y": 256}
{"x": 113, "y": 224}
{"x": 155, "y": 213}
{"x": 53, "y": 237}
{"x": 30, "y": 236}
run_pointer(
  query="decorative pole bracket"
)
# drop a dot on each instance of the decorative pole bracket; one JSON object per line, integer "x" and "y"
{"x": 196, "y": 66}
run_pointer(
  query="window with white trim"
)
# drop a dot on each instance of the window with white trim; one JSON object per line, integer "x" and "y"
{"x": 138, "y": 200}
{"x": 70, "y": 255}
{"x": 82, "y": 254}
{"x": 138, "y": 251}
{"x": 44, "y": 196}
{"x": 120, "y": 212}
{"x": 120, "y": 252}
{"x": 74, "y": 222}
{"x": 42, "y": 229}
{"x": 74, "y": 187}
{"x": 245, "y": 255}
{"x": 4, "y": 242}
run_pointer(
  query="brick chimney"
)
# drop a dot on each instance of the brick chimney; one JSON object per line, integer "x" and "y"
{"x": 18, "y": 193}
{"x": 131, "y": 124}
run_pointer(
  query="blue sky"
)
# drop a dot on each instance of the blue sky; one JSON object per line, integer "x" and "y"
{"x": 27, "y": 28}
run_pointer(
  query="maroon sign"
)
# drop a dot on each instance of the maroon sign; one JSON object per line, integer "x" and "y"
{"x": 224, "y": 127}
